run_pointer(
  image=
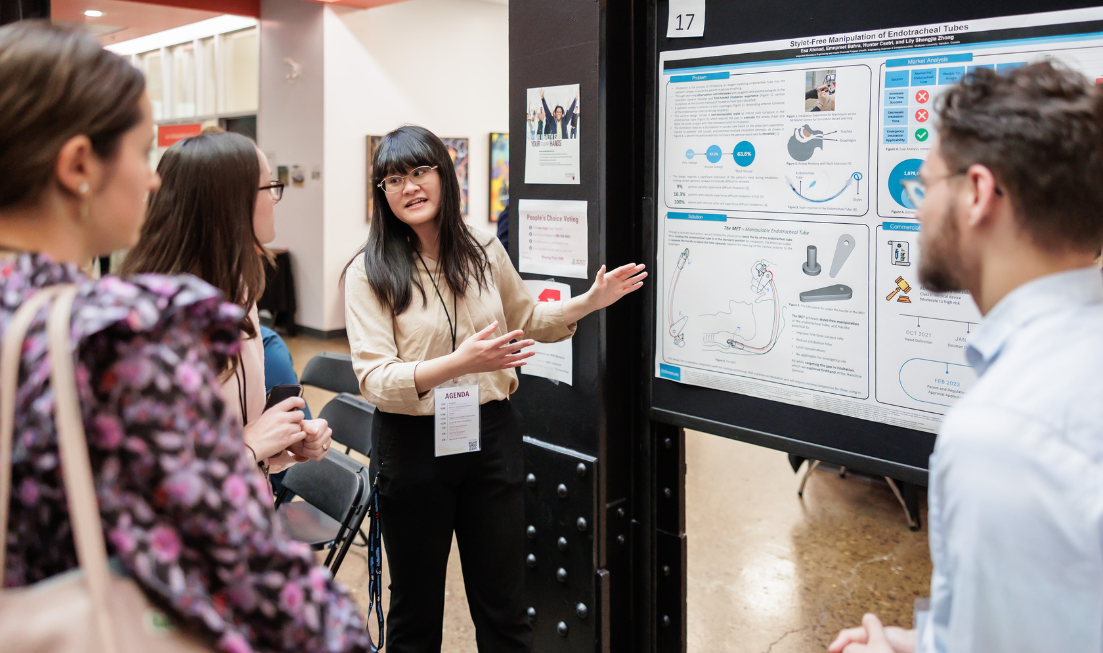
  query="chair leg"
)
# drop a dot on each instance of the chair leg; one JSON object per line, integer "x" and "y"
{"x": 363, "y": 536}
{"x": 911, "y": 508}
{"x": 812, "y": 465}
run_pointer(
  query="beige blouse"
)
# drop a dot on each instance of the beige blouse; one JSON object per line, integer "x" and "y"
{"x": 387, "y": 348}
{"x": 252, "y": 367}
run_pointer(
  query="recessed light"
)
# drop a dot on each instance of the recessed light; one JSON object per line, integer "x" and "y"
{"x": 92, "y": 13}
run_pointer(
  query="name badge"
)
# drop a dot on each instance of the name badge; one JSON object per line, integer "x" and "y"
{"x": 456, "y": 419}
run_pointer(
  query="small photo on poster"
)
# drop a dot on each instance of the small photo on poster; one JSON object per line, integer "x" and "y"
{"x": 819, "y": 90}
{"x": 552, "y": 124}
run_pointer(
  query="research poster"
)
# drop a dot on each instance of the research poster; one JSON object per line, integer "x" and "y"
{"x": 787, "y": 249}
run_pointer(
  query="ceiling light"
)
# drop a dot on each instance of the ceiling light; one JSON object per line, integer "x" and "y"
{"x": 92, "y": 13}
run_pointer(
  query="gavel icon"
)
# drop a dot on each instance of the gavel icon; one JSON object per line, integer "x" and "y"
{"x": 900, "y": 285}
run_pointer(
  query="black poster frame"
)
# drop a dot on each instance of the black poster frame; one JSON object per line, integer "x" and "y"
{"x": 869, "y": 446}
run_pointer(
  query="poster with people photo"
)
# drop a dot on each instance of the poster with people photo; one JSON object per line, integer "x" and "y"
{"x": 458, "y": 150}
{"x": 552, "y": 123}
{"x": 499, "y": 174}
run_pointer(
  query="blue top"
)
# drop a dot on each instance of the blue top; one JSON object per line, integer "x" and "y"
{"x": 1016, "y": 480}
{"x": 278, "y": 367}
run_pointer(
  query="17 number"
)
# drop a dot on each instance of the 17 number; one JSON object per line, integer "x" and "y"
{"x": 688, "y": 23}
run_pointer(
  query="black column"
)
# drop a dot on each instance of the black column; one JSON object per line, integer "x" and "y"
{"x": 589, "y": 500}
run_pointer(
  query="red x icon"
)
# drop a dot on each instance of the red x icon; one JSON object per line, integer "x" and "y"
{"x": 922, "y": 96}
{"x": 921, "y": 115}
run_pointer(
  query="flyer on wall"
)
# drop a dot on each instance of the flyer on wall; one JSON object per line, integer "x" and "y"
{"x": 553, "y": 360}
{"x": 553, "y": 130}
{"x": 552, "y": 237}
{"x": 787, "y": 247}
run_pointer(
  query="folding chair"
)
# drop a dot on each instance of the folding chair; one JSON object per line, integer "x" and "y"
{"x": 332, "y": 372}
{"x": 335, "y": 492}
{"x": 350, "y": 417}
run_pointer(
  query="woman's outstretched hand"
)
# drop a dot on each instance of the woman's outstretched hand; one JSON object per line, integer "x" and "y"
{"x": 607, "y": 289}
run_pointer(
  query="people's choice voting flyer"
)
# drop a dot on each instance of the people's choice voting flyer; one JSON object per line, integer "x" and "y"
{"x": 552, "y": 237}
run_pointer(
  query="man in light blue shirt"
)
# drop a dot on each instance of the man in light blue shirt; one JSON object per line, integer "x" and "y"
{"x": 1010, "y": 200}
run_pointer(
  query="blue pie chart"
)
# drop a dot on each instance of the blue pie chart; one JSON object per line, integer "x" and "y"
{"x": 906, "y": 169}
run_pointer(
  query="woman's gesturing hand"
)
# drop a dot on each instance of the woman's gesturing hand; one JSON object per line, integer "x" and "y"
{"x": 477, "y": 354}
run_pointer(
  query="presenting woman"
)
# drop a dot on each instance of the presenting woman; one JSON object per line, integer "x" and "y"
{"x": 438, "y": 319}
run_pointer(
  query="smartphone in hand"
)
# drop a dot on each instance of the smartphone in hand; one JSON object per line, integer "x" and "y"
{"x": 281, "y": 392}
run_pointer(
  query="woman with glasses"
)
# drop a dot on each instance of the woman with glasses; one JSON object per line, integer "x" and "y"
{"x": 438, "y": 319}
{"x": 211, "y": 217}
{"x": 184, "y": 511}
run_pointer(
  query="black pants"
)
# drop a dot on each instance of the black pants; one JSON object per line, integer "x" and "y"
{"x": 422, "y": 500}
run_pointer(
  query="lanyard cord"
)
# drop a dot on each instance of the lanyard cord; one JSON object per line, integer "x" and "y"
{"x": 242, "y": 390}
{"x": 375, "y": 568}
{"x": 436, "y": 286}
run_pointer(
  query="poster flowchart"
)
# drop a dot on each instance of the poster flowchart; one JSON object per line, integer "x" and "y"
{"x": 788, "y": 252}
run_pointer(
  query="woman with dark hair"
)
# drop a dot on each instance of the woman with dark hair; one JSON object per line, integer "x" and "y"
{"x": 183, "y": 508}
{"x": 431, "y": 304}
{"x": 212, "y": 217}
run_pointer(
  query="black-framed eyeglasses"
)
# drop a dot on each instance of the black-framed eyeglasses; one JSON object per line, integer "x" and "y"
{"x": 916, "y": 190}
{"x": 395, "y": 183}
{"x": 275, "y": 189}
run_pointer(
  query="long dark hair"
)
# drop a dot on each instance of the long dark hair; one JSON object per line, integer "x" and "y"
{"x": 201, "y": 220}
{"x": 57, "y": 83}
{"x": 389, "y": 254}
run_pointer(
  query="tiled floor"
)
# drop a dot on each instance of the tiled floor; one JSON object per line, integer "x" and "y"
{"x": 768, "y": 572}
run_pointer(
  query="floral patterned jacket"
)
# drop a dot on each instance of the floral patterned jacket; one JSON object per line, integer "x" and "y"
{"x": 183, "y": 505}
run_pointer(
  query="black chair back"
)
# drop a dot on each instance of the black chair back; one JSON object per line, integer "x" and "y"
{"x": 329, "y": 485}
{"x": 350, "y": 417}
{"x": 332, "y": 372}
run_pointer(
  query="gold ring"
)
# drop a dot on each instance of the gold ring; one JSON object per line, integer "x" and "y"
{"x": 325, "y": 447}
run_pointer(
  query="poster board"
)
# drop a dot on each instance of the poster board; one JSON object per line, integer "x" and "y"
{"x": 788, "y": 311}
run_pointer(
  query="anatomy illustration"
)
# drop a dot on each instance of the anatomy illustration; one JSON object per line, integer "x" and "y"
{"x": 744, "y": 317}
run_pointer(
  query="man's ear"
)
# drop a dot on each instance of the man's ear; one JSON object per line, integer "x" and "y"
{"x": 983, "y": 195}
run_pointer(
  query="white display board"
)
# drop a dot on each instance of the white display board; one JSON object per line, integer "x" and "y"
{"x": 769, "y": 149}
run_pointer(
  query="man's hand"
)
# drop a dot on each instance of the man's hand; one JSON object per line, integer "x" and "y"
{"x": 872, "y": 637}
{"x": 541, "y": 94}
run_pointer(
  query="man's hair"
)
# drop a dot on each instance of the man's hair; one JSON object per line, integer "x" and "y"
{"x": 1039, "y": 129}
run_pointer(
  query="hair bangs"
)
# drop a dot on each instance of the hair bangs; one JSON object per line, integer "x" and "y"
{"x": 399, "y": 154}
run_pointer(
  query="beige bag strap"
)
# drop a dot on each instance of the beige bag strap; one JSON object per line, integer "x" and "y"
{"x": 80, "y": 489}
{"x": 11, "y": 355}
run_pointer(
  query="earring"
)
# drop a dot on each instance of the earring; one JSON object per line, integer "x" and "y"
{"x": 83, "y": 189}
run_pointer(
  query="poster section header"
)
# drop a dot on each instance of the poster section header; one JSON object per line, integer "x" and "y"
{"x": 787, "y": 249}
{"x": 1074, "y": 23}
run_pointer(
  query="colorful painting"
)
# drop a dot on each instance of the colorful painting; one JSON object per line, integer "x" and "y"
{"x": 458, "y": 149}
{"x": 499, "y": 174}
{"x": 373, "y": 142}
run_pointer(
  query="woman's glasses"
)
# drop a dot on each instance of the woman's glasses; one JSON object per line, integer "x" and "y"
{"x": 275, "y": 189}
{"x": 395, "y": 183}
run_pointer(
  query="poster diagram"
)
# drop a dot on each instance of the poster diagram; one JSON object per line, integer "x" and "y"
{"x": 742, "y": 299}
{"x": 788, "y": 251}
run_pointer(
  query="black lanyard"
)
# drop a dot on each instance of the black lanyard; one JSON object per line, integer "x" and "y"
{"x": 375, "y": 568}
{"x": 452, "y": 328}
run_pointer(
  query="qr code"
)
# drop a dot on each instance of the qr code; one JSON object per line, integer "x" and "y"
{"x": 472, "y": 446}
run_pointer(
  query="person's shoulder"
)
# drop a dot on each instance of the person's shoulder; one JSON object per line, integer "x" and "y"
{"x": 488, "y": 241}
{"x": 154, "y": 303}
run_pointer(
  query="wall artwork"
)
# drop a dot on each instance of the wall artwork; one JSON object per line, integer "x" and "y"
{"x": 458, "y": 149}
{"x": 499, "y": 174}
{"x": 373, "y": 142}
